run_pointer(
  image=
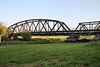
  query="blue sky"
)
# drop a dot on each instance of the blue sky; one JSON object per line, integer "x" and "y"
{"x": 69, "y": 11}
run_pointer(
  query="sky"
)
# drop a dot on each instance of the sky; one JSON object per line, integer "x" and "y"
{"x": 71, "y": 12}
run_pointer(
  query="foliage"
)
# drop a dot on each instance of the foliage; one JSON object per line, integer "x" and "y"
{"x": 49, "y": 55}
{"x": 16, "y": 38}
{"x": 73, "y": 37}
{"x": 8, "y": 30}
{"x": 0, "y": 31}
{"x": 26, "y": 36}
{"x": 49, "y": 38}
{"x": 4, "y": 38}
{"x": 81, "y": 40}
{"x": 3, "y": 31}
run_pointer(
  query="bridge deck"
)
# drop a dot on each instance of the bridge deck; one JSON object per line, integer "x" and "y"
{"x": 78, "y": 32}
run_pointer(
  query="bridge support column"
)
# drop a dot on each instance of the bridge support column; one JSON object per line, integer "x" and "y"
{"x": 97, "y": 36}
{"x": 73, "y": 37}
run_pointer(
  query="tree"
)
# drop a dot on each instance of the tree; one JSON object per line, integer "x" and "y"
{"x": 3, "y": 31}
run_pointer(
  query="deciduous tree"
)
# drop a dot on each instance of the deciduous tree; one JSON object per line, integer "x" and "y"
{"x": 3, "y": 31}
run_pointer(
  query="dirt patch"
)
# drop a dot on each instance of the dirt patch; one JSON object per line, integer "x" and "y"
{"x": 8, "y": 46}
{"x": 20, "y": 65}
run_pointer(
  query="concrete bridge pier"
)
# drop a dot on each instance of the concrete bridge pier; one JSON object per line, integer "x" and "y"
{"x": 97, "y": 36}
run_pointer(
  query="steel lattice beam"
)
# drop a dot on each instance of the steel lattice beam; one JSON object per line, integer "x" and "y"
{"x": 53, "y": 27}
{"x": 40, "y": 26}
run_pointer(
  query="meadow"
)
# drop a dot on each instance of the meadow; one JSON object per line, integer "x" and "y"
{"x": 62, "y": 54}
{"x": 60, "y": 38}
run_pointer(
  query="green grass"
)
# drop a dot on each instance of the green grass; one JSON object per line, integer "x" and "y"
{"x": 50, "y": 55}
{"x": 41, "y": 41}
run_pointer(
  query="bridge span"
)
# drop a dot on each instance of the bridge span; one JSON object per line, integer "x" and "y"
{"x": 53, "y": 27}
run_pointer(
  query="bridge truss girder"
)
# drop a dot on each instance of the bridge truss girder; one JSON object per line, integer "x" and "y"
{"x": 39, "y": 26}
{"x": 88, "y": 25}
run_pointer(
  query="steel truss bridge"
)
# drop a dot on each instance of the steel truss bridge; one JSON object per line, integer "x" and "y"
{"x": 53, "y": 27}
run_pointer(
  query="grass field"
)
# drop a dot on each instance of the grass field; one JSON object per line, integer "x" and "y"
{"x": 27, "y": 54}
{"x": 61, "y": 38}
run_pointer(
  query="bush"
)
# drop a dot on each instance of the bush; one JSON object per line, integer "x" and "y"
{"x": 16, "y": 38}
{"x": 4, "y": 38}
{"x": 26, "y": 36}
{"x": 73, "y": 37}
{"x": 81, "y": 40}
{"x": 94, "y": 43}
{"x": 54, "y": 40}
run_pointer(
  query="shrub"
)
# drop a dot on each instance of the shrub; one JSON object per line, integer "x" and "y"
{"x": 73, "y": 37}
{"x": 4, "y": 38}
{"x": 26, "y": 36}
{"x": 54, "y": 40}
{"x": 81, "y": 40}
{"x": 16, "y": 38}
